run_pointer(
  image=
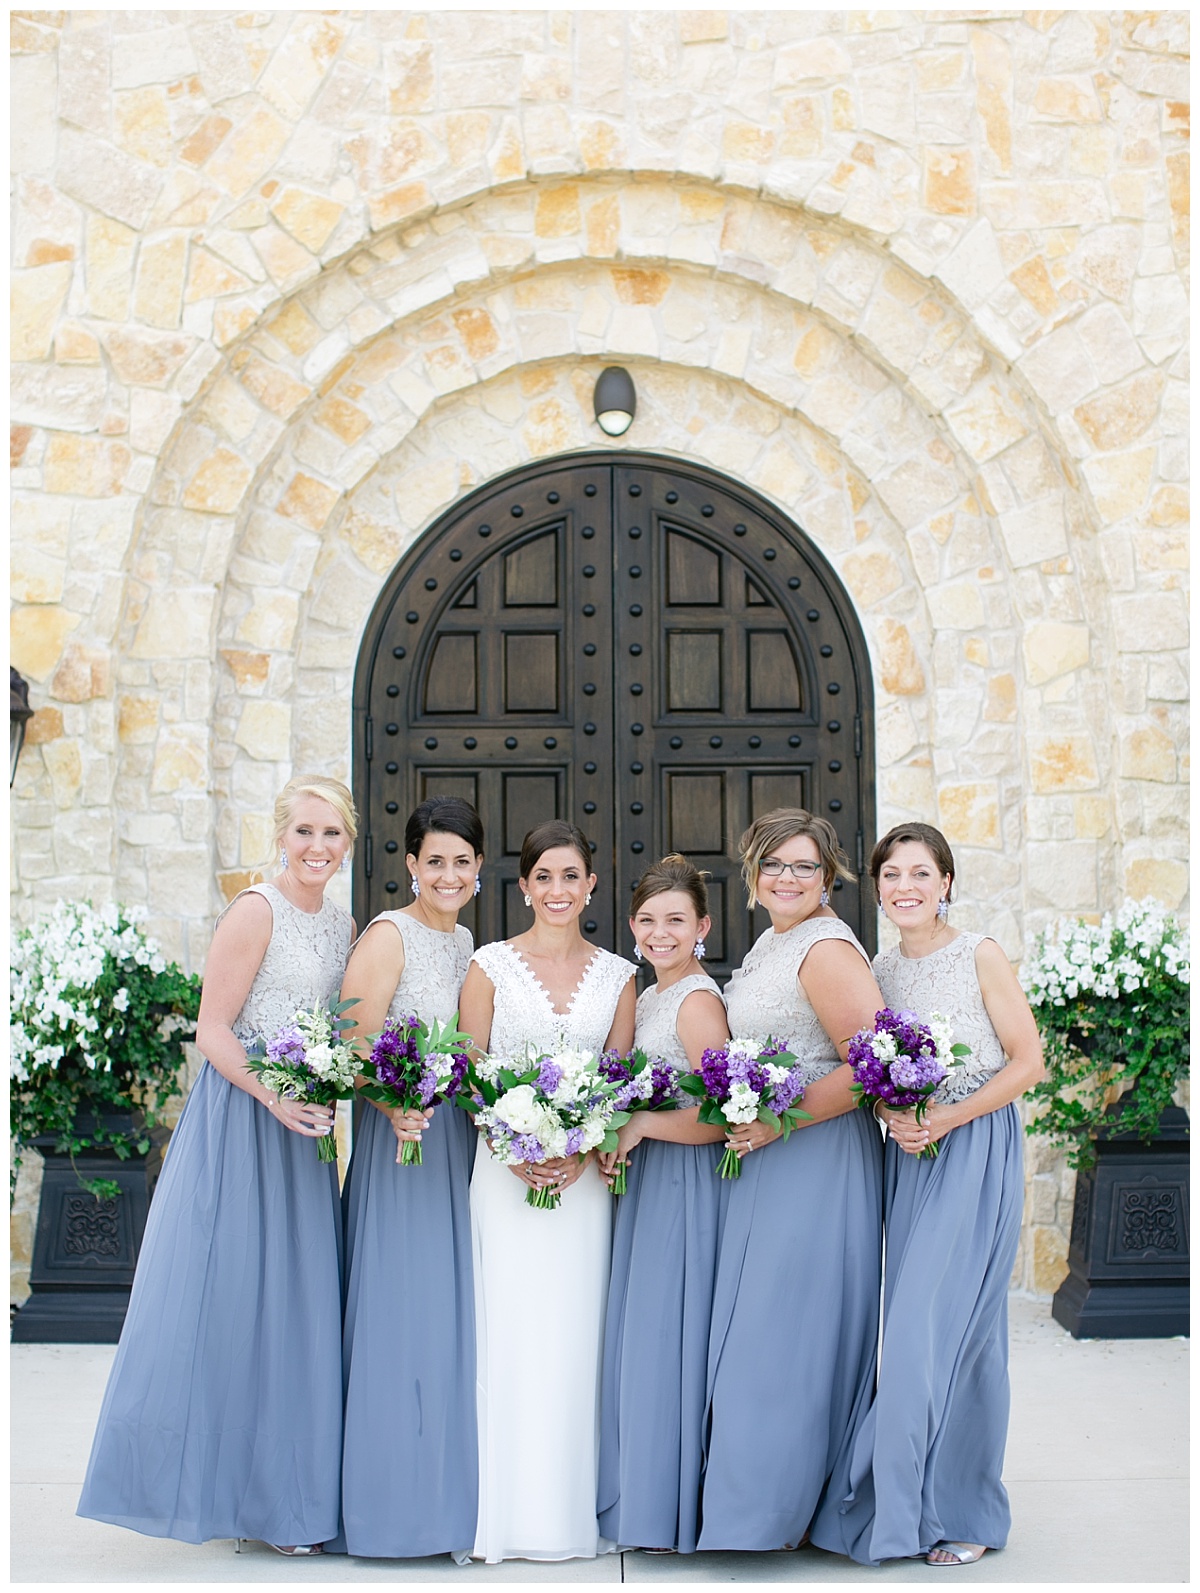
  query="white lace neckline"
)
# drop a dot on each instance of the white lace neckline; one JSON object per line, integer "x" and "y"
{"x": 544, "y": 993}
{"x": 936, "y": 952}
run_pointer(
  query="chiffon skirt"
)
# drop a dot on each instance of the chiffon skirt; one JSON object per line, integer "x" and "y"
{"x": 409, "y": 1464}
{"x": 926, "y": 1459}
{"x": 223, "y": 1413}
{"x": 654, "y": 1385}
{"x": 795, "y": 1325}
{"x": 541, "y": 1281}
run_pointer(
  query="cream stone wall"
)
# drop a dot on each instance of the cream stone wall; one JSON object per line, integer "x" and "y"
{"x": 287, "y": 284}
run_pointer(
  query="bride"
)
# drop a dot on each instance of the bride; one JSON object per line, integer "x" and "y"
{"x": 541, "y": 1277}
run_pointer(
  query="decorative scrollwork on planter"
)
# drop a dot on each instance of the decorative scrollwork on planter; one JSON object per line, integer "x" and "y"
{"x": 93, "y": 1227}
{"x": 1149, "y": 1220}
{"x": 1079, "y": 1217}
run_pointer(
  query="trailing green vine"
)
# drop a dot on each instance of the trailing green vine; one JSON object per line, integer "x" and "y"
{"x": 1111, "y": 1002}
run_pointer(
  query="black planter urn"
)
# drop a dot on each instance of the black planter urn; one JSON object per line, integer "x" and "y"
{"x": 85, "y": 1249}
{"x": 1129, "y": 1253}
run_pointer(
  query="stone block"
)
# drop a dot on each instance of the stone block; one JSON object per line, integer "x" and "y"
{"x": 144, "y": 359}
{"x": 176, "y": 624}
{"x": 85, "y": 466}
{"x": 1147, "y": 753}
{"x": 246, "y": 155}
{"x": 46, "y": 725}
{"x": 309, "y": 501}
{"x": 33, "y": 85}
{"x": 1062, "y": 763}
{"x": 310, "y": 218}
{"x": 36, "y": 298}
{"x": 180, "y": 762}
{"x": 92, "y": 171}
{"x": 1062, "y": 876}
{"x": 969, "y": 813}
{"x": 949, "y": 181}
{"x": 265, "y": 730}
{"x": 1150, "y": 622}
{"x": 1116, "y": 417}
{"x": 219, "y": 484}
{"x": 1049, "y": 1259}
{"x": 1051, "y": 649}
{"x": 1059, "y": 370}
{"x": 1035, "y": 533}
{"x": 1120, "y": 483}
{"x": 137, "y": 720}
{"x": 1109, "y": 344}
{"x": 1164, "y": 879}
{"x": 900, "y": 671}
{"x": 64, "y": 764}
{"x": 271, "y": 621}
{"x": 1000, "y": 704}
{"x": 82, "y": 674}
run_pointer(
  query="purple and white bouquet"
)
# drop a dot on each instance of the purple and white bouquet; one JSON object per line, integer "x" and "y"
{"x": 413, "y": 1065}
{"x": 307, "y": 1060}
{"x": 643, "y": 1084}
{"x": 743, "y": 1082}
{"x": 901, "y": 1061}
{"x": 537, "y": 1107}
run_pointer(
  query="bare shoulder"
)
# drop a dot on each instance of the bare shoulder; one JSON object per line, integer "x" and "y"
{"x": 248, "y": 917}
{"x": 992, "y": 965}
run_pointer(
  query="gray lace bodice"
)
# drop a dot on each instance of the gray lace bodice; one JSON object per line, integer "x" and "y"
{"x": 523, "y": 1013}
{"x": 945, "y": 981}
{"x": 764, "y": 998}
{"x": 303, "y": 963}
{"x": 435, "y": 965}
{"x": 656, "y": 1030}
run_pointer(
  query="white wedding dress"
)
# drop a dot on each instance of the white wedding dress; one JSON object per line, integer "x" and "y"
{"x": 541, "y": 1286}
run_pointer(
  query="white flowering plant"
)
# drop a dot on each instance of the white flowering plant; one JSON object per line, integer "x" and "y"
{"x": 98, "y": 1021}
{"x": 1111, "y": 1002}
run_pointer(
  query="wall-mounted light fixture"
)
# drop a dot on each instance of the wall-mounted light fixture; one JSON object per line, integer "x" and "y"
{"x": 615, "y": 400}
{"x": 19, "y": 715}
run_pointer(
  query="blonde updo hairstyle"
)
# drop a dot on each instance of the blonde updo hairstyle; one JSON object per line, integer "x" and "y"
{"x": 784, "y": 824}
{"x": 315, "y": 785}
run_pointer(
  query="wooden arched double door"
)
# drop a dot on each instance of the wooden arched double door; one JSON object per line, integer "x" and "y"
{"x": 632, "y": 642}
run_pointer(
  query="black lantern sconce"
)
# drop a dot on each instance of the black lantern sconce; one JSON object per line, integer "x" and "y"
{"x": 615, "y": 400}
{"x": 19, "y": 715}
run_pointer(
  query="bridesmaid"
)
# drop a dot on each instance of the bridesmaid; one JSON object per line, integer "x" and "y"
{"x": 223, "y": 1413}
{"x": 796, "y": 1303}
{"x": 541, "y": 1277}
{"x": 924, "y": 1470}
{"x": 408, "y": 1469}
{"x": 664, "y": 1240}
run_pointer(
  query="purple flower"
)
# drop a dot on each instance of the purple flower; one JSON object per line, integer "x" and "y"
{"x": 574, "y": 1141}
{"x": 549, "y": 1077}
{"x": 527, "y": 1148}
{"x": 287, "y": 1047}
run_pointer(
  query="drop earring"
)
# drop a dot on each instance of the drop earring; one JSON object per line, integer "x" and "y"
{"x": 416, "y": 889}
{"x": 587, "y": 900}
{"x": 943, "y": 910}
{"x": 283, "y": 859}
{"x": 699, "y": 950}
{"x": 824, "y": 897}
{"x": 478, "y": 886}
{"x": 528, "y": 899}
{"x": 344, "y": 864}
{"x": 637, "y": 951}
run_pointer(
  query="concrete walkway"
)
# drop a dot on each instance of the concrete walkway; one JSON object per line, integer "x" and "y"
{"x": 1096, "y": 1469}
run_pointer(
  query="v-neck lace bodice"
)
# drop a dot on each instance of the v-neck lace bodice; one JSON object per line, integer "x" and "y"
{"x": 523, "y": 1013}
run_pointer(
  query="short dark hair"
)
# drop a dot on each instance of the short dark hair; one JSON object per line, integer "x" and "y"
{"x": 546, "y": 836}
{"x": 674, "y": 873}
{"x": 443, "y": 815}
{"x": 924, "y": 835}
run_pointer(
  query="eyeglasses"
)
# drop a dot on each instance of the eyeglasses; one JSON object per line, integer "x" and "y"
{"x": 773, "y": 867}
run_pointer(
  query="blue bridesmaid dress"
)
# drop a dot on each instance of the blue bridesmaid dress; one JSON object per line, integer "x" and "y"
{"x": 654, "y": 1383}
{"x": 223, "y": 1413}
{"x": 409, "y": 1468}
{"x": 796, "y": 1304}
{"x": 926, "y": 1456}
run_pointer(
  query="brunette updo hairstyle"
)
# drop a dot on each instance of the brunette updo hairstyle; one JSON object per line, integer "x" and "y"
{"x": 784, "y": 824}
{"x": 925, "y": 835}
{"x": 546, "y": 836}
{"x": 674, "y": 873}
{"x": 315, "y": 785}
{"x": 443, "y": 815}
